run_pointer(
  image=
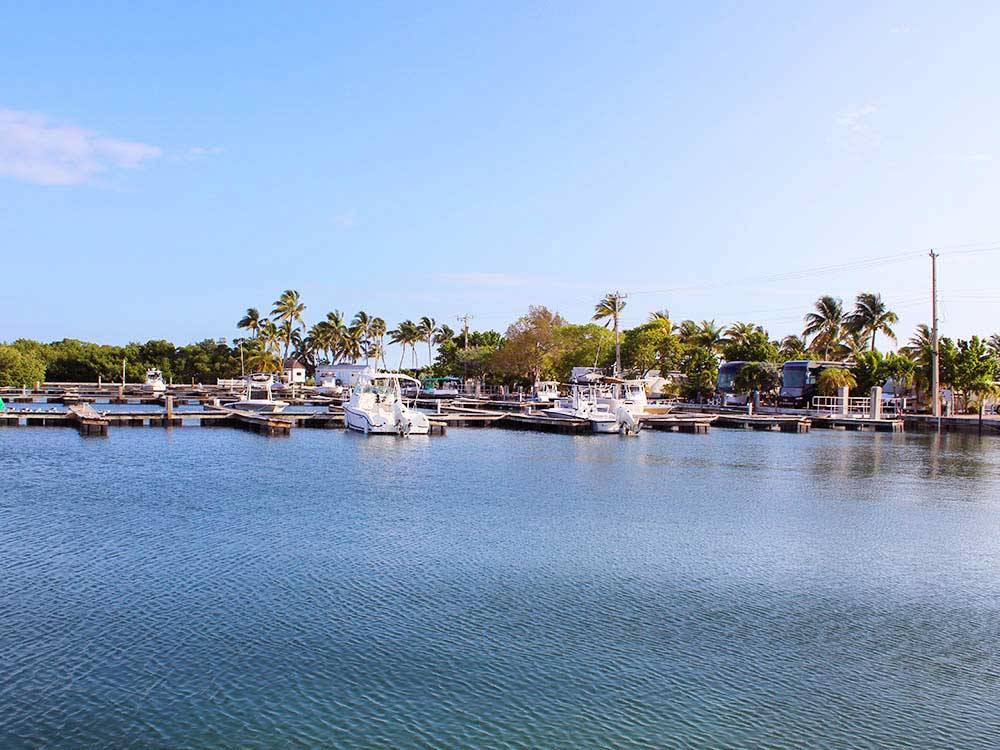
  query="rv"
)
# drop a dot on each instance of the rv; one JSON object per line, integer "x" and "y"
{"x": 725, "y": 385}
{"x": 798, "y": 381}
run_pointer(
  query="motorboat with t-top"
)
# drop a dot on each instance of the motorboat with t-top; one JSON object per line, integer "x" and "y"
{"x": 376, "y": 407}
{"x": 266, "y": 405}
{"x": 546, "y": 391}
{"x": 154, "y": 381}
{"x": 448, "y": 387}
{"x": 587, "y": 402}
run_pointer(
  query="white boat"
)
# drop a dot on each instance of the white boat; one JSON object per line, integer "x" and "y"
{"x": 154, "y": 381}
{"x": 586, "y": 403}
{"x": 630, "y": 394}
{"x": 440, "y": 387}
{"x": 376, "y": 407}
{"x": 266, "y": 405}
{"x": 546, "y": 391}
{"x": 338, "y": 379}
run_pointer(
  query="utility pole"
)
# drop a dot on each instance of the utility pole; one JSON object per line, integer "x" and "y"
{"x": 935, "y": 377}
{"x": 465, "y": 327}
{"x": 465, "y": 331}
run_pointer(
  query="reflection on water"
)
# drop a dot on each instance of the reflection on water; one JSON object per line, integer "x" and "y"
{"x": 213, "y": 588}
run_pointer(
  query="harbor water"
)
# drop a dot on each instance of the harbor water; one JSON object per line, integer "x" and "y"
{"x": 195, "y": 588}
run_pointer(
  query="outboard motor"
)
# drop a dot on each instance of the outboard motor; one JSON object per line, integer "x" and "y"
{"x": 403, "y": 423}
{"x": 627, "y": 423}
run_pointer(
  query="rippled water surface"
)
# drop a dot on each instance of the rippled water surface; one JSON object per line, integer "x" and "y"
{"x": 196, "y": 588}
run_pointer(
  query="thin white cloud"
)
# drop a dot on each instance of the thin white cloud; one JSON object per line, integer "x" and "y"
{"x": 34, "y": 150}
{"x": 857, "y": 120}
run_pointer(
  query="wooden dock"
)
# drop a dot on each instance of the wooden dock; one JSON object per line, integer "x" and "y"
{"x": 697, "y": 424}
{"x": 860, "y": 424}
{"x": 766, "y": 422}
{"x": 87, "y": 420}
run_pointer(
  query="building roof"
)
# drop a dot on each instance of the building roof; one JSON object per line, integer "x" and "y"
{"x": 294, "y": 364}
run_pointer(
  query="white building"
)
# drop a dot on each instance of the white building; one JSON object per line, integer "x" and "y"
{"x": 294, "y": 372}
{"x": 341, "y": 375}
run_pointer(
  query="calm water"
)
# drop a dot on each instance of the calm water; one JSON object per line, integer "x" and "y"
{"x": 203, "y": 588}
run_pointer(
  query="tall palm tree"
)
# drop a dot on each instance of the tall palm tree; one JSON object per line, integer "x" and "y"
{"x": 741, "y": 333}
{"x": 445, "y": 333}
{"x": 794, "y": 347}
{"x": 852, "y": 346}
{"x": 270, "y": 336}
{"x": 287, "y": 311}
{"x": 687, "y": 331}
{"x": 352, "y": 345}
{"x": 403, "y": 334}
{"x": 826, "y": 325}
{"x": 250, "y": 321}
{"x": 361, "y": 326}
{"x": 660, "y": 316}
{"x": 318, "y": 340}
{"x": 871, "y": 316}
{"x": 377, "y": 331}
{"x": 609, "y": 309}
{"x": 427, "y": 327}
{"x": 920, "y": 347}
{"x": 710, "y": 335}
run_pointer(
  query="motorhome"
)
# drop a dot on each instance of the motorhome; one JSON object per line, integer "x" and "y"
{"x": 798, "y": 381}
{"x": 725, "y": 386}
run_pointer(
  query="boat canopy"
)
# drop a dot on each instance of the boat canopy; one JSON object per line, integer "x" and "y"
{"x": 392, "y": 376}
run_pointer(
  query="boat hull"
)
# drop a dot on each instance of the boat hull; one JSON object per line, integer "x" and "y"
{"x": 259, "y": 407}
{"x": 604, "y": 426}
{"x": 374, "y": 424}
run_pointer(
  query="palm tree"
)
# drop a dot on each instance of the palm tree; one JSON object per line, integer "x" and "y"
{"x": 832, "y": 379}
{"x": 403, "y": 334}
{"x": 871, "y": 317}
{"x": 825, "y": 324}
{"x": 269, "y": 335}
{"x": 361, "y": 326}
{"x": 660, "y": 316}
{"x": 445, "y": 333}
{"x": 377, "y": 332}
{"x": 853, "y": 345}
{"x": 352, "y": 345}
{"x": 288, "y": 309}
{"x": 794, "y": 347}
{"x": 741, "y": 333}
{"x": 427, "y": 327}
{"x": 994, "y": 345}
{"x": 260, "y": 359}
{"x": 709, "y": 335}
{"x": 921, "y": 343}
{"x": 687, "y": 331}
{"x": 250, "y": 321}
{"x": 609, "y": 309}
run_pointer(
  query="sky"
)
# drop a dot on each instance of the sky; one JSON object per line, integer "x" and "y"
{"x": 164, "y": 168}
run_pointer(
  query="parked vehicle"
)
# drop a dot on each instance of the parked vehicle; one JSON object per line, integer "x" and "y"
{"x": 798, "y": 381}
{"x": 725, "y": 385}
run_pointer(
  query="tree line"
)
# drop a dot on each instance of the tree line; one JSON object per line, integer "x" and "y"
{"x": 539, "y": 345}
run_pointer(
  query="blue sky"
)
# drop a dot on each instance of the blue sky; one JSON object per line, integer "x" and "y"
{"x": 185, "y": 163}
